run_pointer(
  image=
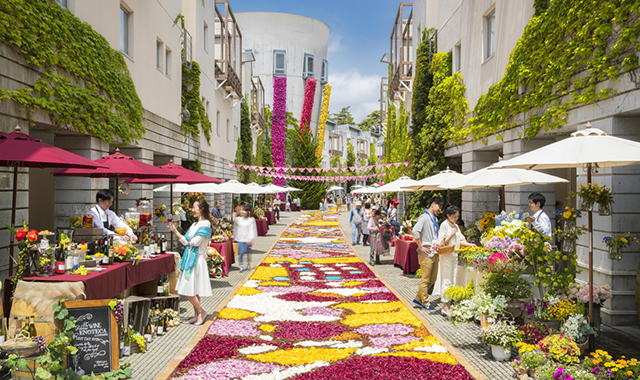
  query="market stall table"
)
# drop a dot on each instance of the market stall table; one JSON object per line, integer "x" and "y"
{"x": 261, "y": 226}
{"x": 225, "y": 249}
{"x": 271, "y": 217}
{"x": 294, "y": 207}
{"x": 406, "y": 256}
{"x": 108, "y": 283}
{"x": 283, "y": 206}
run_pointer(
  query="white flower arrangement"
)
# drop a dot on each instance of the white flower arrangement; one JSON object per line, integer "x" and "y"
{"x": 577, "y": 327}
{"x": 481, "y": 304}
{"x": 502, "y": 333}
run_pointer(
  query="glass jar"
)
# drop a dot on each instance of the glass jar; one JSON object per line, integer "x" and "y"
{"x": 132, "y": 218}
{"x": 75, "y": 219}
{"x": 604, "y": 210}
{"x": 145, "y": 211}
{"x": 615, "y": 253}
{"x": 46, "y": 258}
{"x": 586, "y": 204}
{"x": 87, "y": 218}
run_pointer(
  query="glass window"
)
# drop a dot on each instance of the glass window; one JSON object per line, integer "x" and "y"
{"x": 63, "y": 3}
{"x": 227, "y": 129}
{"x": 124, "y": 30}
{"x": 218, "y": 123}
{"x": 457, "y": 58}
{"x": 279, "y": 62}
{"x": 159, "y": 55}
{"x": 491, "y": 35}
{"x": 308, "y": 68}
{"x": 324, "y": 76}
{"x": 205, "y": 38}
{"x": 167, "y": 63}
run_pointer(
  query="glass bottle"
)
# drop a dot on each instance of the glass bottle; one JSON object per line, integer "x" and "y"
{"x": 76, "y": 256}
{"x": 160, "y": 322}
{"x": 148, "y": 332}
{"x": 126, "y": 347}
{"x": 153, "y": 245}
{"x": 160, "y": 287}
{"x": 2, "y": 331}
{"x": 32, "y": 326}
{"x": 159, "y": 247}
{"x": 163, "y": 245}
{"x": 110, "y": 251}
{"x": 165, "y": 285}
{"x": 68, "y": 260}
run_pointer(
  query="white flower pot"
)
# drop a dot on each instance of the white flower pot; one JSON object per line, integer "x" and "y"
{"x": 500, "y": 353}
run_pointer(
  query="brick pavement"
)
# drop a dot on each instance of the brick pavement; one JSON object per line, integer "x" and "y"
{"x": 164, "y": 349}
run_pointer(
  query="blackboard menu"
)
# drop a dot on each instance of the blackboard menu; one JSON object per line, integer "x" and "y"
{"x": 92, "y": 338}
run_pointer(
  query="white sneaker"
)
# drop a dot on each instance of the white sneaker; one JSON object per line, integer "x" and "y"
{"x": 241, "y": 269}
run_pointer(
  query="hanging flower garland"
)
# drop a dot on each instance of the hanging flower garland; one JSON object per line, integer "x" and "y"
{"x": 324, "y": 116}
{"x": 278, "y": 125}
{"x": 307, "y": 106}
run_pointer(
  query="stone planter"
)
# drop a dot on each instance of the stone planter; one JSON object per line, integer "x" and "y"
{"x": 500, "y": 353}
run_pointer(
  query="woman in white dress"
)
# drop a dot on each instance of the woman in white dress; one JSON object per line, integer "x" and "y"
{"x": 244, "y": 231}
{"x": 449, "y": 234}
{"x": 193, "y": 282}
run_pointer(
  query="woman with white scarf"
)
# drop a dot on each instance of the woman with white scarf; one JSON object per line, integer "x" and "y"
{"x": 449, "y": 234}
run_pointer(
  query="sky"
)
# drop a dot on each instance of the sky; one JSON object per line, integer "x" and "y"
{"x": 359, "y": 32}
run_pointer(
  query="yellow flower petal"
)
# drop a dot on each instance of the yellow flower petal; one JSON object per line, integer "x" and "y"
{"x": 298, "y": 356}
{"x": 230, "y": 313}
{"x": 267, "y": 273}
{"x": 247, "y": 291}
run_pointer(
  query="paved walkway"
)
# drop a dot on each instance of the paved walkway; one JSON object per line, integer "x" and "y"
{"x": 164, "y": 349}
{"x": 617, "y": 341}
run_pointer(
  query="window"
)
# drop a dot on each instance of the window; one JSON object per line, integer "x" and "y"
{"x": 206, "y": 108}
{"x": 63, "y": 3}
{"x": 218, "y": 123}
{"x": 307, "y": 70}
{"x": 324, "y": 75}
{"x": 490, "y": 40}
{"x": 206, "y": 38}
{"x": 279, "y": 62}
{"x": 457, "y": 58}
{"x": 227, "y": 129}
{"x": 159, "y": 55}
{"x": 167, "y": 62}
{"x": 124, "y": 30}
{"x": 235, "y": 133}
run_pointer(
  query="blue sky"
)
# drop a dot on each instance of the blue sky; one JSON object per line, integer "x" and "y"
{"x": 359, "y": 36}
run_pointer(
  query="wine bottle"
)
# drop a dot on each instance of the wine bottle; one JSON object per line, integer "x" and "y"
{"x": 2, "y": 332}
{"x": 96, "y": 248}
{"x": 159, "y": 245}
{"x": 148, "y": 334}
{"x": 126, "y": 347}
{"x": 68, "y": 259}
{"x": 160, "y": 322}
{"x": 110, "y": 251}
{"x": 104, "y": 250}
{"x": 153, "y": 245}
{"x": 147, "y": 246}
{"x": 160, "y": 287}
{"x": 165, "y": 285}
{"x": 163, "y": 246}
{"x": 154, "y": 327}
{"x": 32, "y": 326}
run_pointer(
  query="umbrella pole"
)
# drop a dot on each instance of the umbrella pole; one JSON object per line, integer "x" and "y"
{"x": 117, "y": 193}
{"x": 448, "y": 196}
{"x": 590, "y": 237}
{"x": 13, "y": 216}
{"x": 171, "y": 209}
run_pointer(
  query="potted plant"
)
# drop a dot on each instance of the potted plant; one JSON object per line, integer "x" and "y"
{"x": 501, "y": 336}
{"x": 481, "y": 306}
{"x": 560, "y": 348}
{"x": 616, "y": 243}
{"x": 580, "y": 292}
{"x": 528, "y": 362}
{"x": 534, "y": 332}
{"x": 569, "y": 232}
{"x": 578, "y": 328}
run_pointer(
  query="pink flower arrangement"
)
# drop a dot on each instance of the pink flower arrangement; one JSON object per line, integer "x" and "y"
{"x": 497, "y": 257}
{"x": 307, "y": 106}
{"x": 231, "y": 327}
{"x": 388, "y": 341}
{"x": 212, "y": 348}
{"x": 581, "y": 293}
{"x": 227, "y": 369}
{"x": 306, "y": 330}
{"x": 278, "y": 119}
{"x": 385, "y": 329}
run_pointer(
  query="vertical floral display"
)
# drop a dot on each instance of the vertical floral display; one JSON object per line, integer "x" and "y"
{"x": 307, "y": 106}
{"x": 324, "y": 116}
{"x": 278, "y": 125}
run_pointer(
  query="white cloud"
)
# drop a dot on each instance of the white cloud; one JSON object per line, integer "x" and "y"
{"x": 350, "y": 88}
{"x": 335, "y": 43}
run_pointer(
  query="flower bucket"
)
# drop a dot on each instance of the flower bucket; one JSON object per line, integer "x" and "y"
{"x": 586, "y": 204}
{"x": 604, "y": 210}
{"x": 500, "y": 353}
{"x": 583, "y": 347}
{"x": 615, "y": 253}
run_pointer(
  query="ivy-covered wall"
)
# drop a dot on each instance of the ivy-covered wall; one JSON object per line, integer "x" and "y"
{"x": 83, "y": 83}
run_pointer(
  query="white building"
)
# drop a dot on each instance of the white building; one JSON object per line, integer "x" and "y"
{"x": 290, "y": 46}
{"x": 480, "y": 35}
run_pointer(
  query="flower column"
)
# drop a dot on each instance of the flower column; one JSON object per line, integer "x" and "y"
{"x": 307, "y": 106}
{"x": 324, "y": 115}
{"x": 278, "y": 126}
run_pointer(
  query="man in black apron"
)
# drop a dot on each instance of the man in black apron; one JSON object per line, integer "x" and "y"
{"x": 107, "y": 219}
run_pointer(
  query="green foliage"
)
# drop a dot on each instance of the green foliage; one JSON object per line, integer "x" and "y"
{"x": 192, "y": 101}
{"x": 561, "y": 57}
{"x": 350, "y": 161}
{"x": 335, "y": 162}
{"x": 422, "y": 83}
{"x": 343, "y": 117}
{"x": 196, "y": 165}
{"x": 540, "y": 6}
{"x": 305, "y": 157}
{"x": 83, "y": 84}
{"x": 245, "y": 145}
{"x": 400, "y": 146}
{"x": 371, "y": 122}
{"x": 460, "y": 293}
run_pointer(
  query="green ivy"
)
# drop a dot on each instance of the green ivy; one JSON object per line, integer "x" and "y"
{"x": 245, "y": 146}
{"x": 561, "y": 57}
{"x": 83, "y": 83}
{"x": 192, "y": 101}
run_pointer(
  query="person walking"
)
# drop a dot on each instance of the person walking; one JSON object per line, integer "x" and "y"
{"x": 244, "y": 231}
{"x": 393, "y": 215}
{"x": 193, "y": 281}
{"x": 348, "y": 202}
{"x": 424, "y": 233}
{"x": 276, "y": 206}
{"x": 450, "y": 234}
{"x": 366, "y": 215}
{"x": 325, "y": 205}
{"x": 355, "y": 219}
{"x": 373, "y": 228}
{"x": 338, "y": 204}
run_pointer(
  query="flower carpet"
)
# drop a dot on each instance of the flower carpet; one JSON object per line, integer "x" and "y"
{"x": 313, "y": 310}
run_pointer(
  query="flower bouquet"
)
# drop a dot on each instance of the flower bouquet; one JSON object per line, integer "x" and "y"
{"x": 161, "y": 212}
{"x": 580, "y": 293}
{"x": 173, "y": 318}
{"x": 602, "y": 363}
{"x": 534, "y": 332}
{"x": 214, "y": 263}
{"x": 479, "y": 306}
{"x": 616, "y": 243}
{"x": 560, "y": 348}
{"x": 473, "y": 255}
{"x": 569, "y": 231}
{"x": 487, "y": 222}
{"x": 259, "y": 212}
{"x": 25, "y": 239}
{"x": 594, "y": 193}
{"x": 407, "y": 226}
{"x": 528, "y": 362}
{"x": 501, "y": 335}
{"x": 123, "y": 251}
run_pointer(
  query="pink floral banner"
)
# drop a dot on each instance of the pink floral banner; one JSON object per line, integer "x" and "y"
{"x": 307, "y": 107}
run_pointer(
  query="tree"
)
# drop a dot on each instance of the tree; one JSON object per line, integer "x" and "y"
{"x": 371, "y": 122}
{"x": 350, "y": 161}
{"x": 305, "y": 157}
{"x": 245, "y": 145}
{"x": 343, "y": 117}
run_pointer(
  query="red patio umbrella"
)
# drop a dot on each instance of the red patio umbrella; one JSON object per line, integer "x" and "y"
{"x": 18, "y": 149}
{"x": 118, "y": 165}
{"x": 184, "y": 175}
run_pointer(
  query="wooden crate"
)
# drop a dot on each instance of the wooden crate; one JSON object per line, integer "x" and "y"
{"x": 138, "y": 309}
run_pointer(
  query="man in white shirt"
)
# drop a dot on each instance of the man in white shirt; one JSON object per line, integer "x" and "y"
{"x": 424, "y": 233}
{"x": 539, "y": 220}
{"x": 107, "y": 219}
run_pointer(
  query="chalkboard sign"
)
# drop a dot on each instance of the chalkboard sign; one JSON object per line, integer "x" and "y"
{"x": 95, "y": 336}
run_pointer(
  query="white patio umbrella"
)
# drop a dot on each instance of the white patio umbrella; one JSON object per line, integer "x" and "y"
{"x": 290, "y": 188}
{"x": 234, "y": 187}
{"x": 195, "y": 188}
{"x": 335, "y": 188}
{"x": 399, "y": 185}
{"x": 437, "y": 182}
{"x": 491, "y": 177}
{"x": 589, "y": 148}
{"x": 274, "y": 189}
{"x": 364, "y": 190}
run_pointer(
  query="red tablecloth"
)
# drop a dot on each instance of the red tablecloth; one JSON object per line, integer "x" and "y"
{"x": 270, "y": 216}
{"x": 406, "y": 256}
{"x": 283, "y": 206}
{"x": 108, "y": 283}
{"x": 294, "y": 207}
{"x": 261, "y": 226}
{"x": 225, "y": 250}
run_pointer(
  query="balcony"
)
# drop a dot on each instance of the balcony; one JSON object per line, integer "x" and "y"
{"x": 384, "y": 88}
{"x": 229, "y": 47}
{"x": 401, "y": 56}
{"x": 257, "y": 104}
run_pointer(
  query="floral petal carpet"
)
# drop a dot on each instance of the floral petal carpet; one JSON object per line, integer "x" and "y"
{"x": 313, "y": 310}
